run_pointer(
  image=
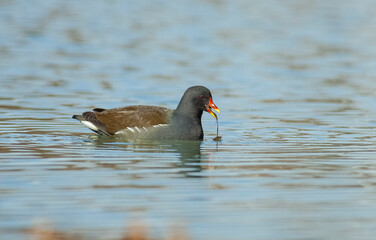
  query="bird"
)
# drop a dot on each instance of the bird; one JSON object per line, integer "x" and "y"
{"x": 154, "y": 122}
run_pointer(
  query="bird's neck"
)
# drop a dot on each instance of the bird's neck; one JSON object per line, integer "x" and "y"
{"x": 188, "y": 124}
{"x": 186, "y": 112}
{"x": 186, "y": 118}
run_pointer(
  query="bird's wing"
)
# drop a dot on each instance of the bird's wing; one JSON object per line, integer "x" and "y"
{"x": 117, "y": 119}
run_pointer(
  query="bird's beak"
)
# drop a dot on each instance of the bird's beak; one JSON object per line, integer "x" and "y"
{"x": 212, "y": 106}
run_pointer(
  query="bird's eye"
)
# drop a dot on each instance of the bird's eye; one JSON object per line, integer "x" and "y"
{"x": 202, "y": 97}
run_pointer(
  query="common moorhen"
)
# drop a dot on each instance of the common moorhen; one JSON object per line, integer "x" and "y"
{"x": 152, "y": 122}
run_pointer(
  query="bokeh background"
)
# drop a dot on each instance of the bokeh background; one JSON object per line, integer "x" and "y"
{"x": 295, "y": 81}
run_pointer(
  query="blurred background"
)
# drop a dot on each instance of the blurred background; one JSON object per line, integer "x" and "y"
{"x": 295, "y": 82}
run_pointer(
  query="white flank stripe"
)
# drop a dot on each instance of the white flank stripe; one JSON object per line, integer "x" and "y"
{"x": 130, "y": 129}
{"x": 160, "y": 125}
{"x": 89, "y": 125}
{"x": 121, "y": 131}
{"x": 136, "y": 129}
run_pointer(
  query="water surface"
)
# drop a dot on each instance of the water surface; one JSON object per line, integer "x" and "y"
{"x": 295, "y": 82}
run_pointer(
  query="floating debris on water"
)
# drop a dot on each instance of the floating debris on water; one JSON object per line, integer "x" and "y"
{"x": 217, "y": 138}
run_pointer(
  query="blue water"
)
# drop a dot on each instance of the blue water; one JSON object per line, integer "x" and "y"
{"x": 295, "y": 82}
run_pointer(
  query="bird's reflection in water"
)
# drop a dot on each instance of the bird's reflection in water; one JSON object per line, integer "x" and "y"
{"x": 190, "y": 156}
{"x": 189, "y": 152}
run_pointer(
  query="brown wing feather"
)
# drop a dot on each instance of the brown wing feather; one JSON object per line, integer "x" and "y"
{"x": 90, "y": 117}
{"x": 116, "y": 119}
